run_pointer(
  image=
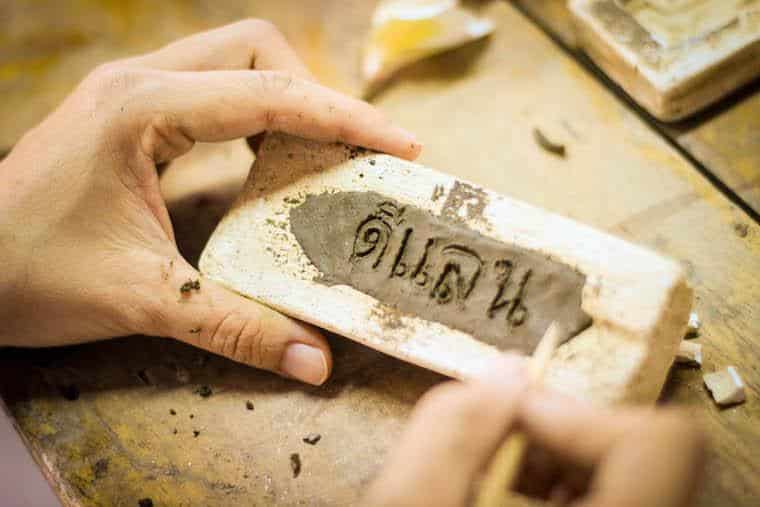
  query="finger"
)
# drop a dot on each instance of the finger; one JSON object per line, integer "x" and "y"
{"x": 249, "y": 44}
{"x": 218, "y": 106}
{"x": 657, "y": 464}
{"x": 662, "y": 447}
{"x": 452, "y": 434}
{"x": 205, "y": 314}
{"x": 538, "y": 474}
{"x": 573, "y": 430}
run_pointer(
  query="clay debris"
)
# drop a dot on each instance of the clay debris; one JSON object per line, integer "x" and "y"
{"x": 689, "y": 353}
{"x": 726, "y": 386}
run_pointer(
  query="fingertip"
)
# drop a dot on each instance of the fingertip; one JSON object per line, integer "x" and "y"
{"x": 409, "y": 147}
{"x": 415, "y": 148}
{"x": 507, "y": 368}
{"x": 306, "y": 363}
{"x": 308, "y": 357}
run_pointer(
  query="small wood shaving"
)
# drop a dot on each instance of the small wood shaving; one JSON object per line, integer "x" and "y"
{"x": 547, "y": 145}
{"x": 726, "y": 386}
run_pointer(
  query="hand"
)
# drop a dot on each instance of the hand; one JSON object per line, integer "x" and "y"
{"x": 87, "y": 246}
{"x": 578, "y": 454}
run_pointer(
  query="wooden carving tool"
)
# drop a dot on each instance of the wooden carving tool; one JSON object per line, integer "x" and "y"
{"x": 441, "y": 273}
{"x": 505, "y": 465}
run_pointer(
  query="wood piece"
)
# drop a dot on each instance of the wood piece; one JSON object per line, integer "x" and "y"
{"x": 505, "y": 465}
{"x": 673, "y": 59}
{"x": 725, "y": 386}
{"x": 255, "y": 251}
{"x": 548, "y": 145}
{"x": 689, "y": 353}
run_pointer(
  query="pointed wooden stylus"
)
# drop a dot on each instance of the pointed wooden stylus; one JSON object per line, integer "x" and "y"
{"x": 505, "y": 465}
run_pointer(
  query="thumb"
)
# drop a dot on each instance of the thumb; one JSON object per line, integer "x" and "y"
{"x": 207, "y": 315}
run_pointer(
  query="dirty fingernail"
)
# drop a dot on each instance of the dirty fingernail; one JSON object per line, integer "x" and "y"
{"x": 304, "y": 363}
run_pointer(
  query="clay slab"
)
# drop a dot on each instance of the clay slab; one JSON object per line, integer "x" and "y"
{"x": 674, "y": 57}
{"x": 637, "y": 301}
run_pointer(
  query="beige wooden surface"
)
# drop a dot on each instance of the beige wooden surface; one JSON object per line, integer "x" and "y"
{"x": 474, "y": 109}
{"x": 727, "y": 142}
{"x": 724, "y": 138}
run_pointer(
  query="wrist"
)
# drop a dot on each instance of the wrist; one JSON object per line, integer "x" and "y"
{"x": 13, "y": 267}
{"x": 10, "y": 291}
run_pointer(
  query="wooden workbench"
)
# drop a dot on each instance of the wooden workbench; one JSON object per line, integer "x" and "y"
{"x": 474, "y": 109}
{"x": 723, "y": 140}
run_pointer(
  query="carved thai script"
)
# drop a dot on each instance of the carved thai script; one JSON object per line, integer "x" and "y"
{"x": 437, "y": 269}
{"x": 455, "y": 273}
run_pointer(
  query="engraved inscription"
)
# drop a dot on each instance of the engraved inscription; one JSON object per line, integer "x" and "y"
{"x": 438, "y": 269}
{"x": 459, "y": 272}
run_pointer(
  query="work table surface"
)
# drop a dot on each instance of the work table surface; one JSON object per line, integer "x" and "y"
{"x": 688, "y": 191}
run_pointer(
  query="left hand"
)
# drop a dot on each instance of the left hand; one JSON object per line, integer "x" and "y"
{"x": 86, "y": 243}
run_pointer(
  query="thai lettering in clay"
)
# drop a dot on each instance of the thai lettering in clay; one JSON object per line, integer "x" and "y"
{"x": 437, "y": 269}
{"x": 508, "y": 298}
{"x": 374, "y": 233}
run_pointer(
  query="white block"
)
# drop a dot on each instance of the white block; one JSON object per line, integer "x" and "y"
{"x": 726, "y": 386}
{"x": 689, "y": 353}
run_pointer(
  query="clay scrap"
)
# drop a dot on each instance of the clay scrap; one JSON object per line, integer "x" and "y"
{"x": 725, "y": 386}
{"x": 689, "y": 353}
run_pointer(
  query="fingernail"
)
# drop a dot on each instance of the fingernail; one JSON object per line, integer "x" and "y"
{"x": 411, "y": 138}
{"x": 304, "y": 363}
